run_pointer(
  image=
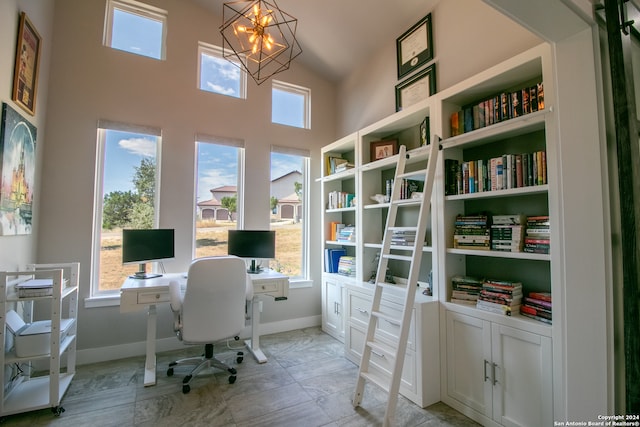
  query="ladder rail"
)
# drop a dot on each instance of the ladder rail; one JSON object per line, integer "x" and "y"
{"x": 414, "y": 269}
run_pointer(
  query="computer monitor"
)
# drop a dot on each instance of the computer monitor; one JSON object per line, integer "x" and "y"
{"x": 252, "y": 244}
{"x": 143, "y": 246}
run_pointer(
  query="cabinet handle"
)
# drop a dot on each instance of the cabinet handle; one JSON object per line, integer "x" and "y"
{"x": 493, "y": 373}
{"x": 337, "y": 307}
{"x": 486, "y": 377}
{"x": 380, "y": 355}
{"x": 362, "y": 310}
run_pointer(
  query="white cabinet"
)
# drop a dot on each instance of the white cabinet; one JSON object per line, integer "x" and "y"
{"x": 421, "y": 370}
{"x": 25, "y": 388}
{"x": 333, "y": 321}
{"x": 497, "y": 373}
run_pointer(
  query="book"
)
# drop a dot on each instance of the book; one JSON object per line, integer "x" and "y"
{"x": 332, "y": 258}
{"x": 544, "y": 296}
{"x": 496, "y": 308}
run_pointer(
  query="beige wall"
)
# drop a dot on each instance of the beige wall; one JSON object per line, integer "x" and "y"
{"x": 468, "y": 37}
{"x": 89, "y": 82}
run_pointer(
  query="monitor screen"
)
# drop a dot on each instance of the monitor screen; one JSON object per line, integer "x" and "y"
{"x": 142, "y": 246}
{"x": 252, "y": 244}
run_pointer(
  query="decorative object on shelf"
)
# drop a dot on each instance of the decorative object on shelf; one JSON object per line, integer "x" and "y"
{"x": 378, "y": 198}
{"x": 383, "y": 149}
{"x": 416, "y": 88}
{"x": 260, "y": 36}
{"x": 18, "y": 153}
{"x": 415, "y": 47}
{"x": 25, "y": 75}
{"x": 424, "y": 132}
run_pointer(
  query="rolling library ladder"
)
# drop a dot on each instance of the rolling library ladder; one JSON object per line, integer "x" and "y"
{"x": 372, "y": 344}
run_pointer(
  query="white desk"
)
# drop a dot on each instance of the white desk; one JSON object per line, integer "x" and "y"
{"x": 136, "y": 295}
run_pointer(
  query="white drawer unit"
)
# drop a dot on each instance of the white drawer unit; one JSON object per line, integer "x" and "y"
{"x": 421, "y": 371}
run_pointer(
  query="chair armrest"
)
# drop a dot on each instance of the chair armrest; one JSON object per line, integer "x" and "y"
{"x": 175, "y": 301}
{"x": 249, "y": 289}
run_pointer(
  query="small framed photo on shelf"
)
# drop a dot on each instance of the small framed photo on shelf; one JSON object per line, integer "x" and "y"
{"x": 25, "y": 75}
{"x": 415, "y": 47}
{"x": 416, "y": 88}
{"x": 383, "y": 149}
{"x": 424, "y": 132}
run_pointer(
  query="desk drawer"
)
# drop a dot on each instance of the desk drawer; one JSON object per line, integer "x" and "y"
{"x": 152, "y": 297}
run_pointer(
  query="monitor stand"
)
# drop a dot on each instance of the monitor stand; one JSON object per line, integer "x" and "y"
{"x": 141, "y": 274}
{"x": 254, "y": 269}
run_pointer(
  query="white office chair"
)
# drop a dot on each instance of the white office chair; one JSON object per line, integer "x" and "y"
{"x": 212, "y": 309}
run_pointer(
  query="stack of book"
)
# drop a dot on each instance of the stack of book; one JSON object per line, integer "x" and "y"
{"x": 500, "y": 296}
{"x": 35, "y": 288}
{"x": 507, "y": 232}
{"x": 537, "y": 235}
{"x": 410, "y": 186}
{"x": 347, "y": 234}
{"x": 465, "y": 290}
{"x": 347, "y": 266}
{"x": 472, "y": 232}
{"x": 537, "y": 306}
{"x": 403, "y": 237}
{"x": 336, "y": 164}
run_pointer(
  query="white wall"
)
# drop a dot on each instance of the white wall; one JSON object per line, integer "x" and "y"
{"x": 89, "y": 82}
{"x": 468, "y": 37}
{"x": 16, "y": 251}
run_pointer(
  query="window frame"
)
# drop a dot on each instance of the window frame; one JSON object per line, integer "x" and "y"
{"x": 136, "y": 8}
{"x": 103, "y": 127}
{"x": 217, "y": 52}
{"x": 304, "y": 280}
{"x": 240, "y": 179}
{"x": 297, "y": 90}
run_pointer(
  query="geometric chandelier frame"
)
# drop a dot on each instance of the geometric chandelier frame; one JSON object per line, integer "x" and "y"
{"x": 260, "y": 36}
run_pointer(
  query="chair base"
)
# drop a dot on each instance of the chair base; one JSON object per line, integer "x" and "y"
{"x": 207, "y": 360}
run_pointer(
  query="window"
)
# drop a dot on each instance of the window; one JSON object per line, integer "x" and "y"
{"x": 219, "y": 176}
{"x": 135, "y": 28}
{"x": 289, "y": 218}
{"x": 127, "y": 178}
{"x": 219, "y": 75}
{"x": 290, "y": 105}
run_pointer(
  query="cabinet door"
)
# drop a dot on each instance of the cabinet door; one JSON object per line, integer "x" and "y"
{"x": 469, "y": 361}
{"x": 332, "y": 309}
{"x": 523, "y": 392}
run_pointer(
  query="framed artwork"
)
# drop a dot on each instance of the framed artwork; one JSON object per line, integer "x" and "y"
{"x": 415, "y": 47}
{"x": 25, "y": 75}
{"x": 382, "y": 149}
{"x": 17, "y": 172}
{"x": 416, "y": 88}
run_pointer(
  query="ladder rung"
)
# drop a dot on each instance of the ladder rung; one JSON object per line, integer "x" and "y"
{"x": 403, "y": 229}
{"x": 383, "y": 350}
{"x": 401, "y": 202}
{"x": 398, "y": 257}
{"x": 378, "y": 380}
{"x": 386, "y": 317}
{"x": 416, "y": 175}
{"x": 392, "y": 285}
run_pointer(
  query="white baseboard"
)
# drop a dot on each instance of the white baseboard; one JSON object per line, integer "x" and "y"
{"x": 102, "y": 354}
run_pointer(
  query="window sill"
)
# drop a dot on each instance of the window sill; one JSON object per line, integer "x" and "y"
{"x": 300, "y": 283}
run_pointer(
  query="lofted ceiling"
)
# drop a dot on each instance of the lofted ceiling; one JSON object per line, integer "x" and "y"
{"x": 337, "y": 35}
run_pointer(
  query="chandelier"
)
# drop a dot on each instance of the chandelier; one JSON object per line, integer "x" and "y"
{"x": 259, "y": 36}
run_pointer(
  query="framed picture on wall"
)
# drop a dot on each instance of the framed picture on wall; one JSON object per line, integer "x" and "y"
{"x": 415, "y": 47}
{"x": 17, "y": 172}
{"x": 25, "y": 75}
{"x": 416, "y": 88}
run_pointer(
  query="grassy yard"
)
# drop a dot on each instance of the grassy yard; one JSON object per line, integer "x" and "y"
{"x": 211, "y": 239}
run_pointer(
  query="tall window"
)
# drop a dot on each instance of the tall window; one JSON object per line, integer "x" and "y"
{"x": 219, "y": 75}
{"x": 135, "y": 28}
{"x": 289, "y": 219}
{"x": 290, "y": 105}
{"x": 218, "y": 193}
{"x": 127, "y": 180}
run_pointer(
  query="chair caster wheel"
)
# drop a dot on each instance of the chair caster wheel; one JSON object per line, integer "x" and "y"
{"x": 232, "y": 379}
{"x": 170, "y": 372}
{"x": 239, "y": 359}
{"x": 186, "y": 389}
{"x": 57, "y": 410}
